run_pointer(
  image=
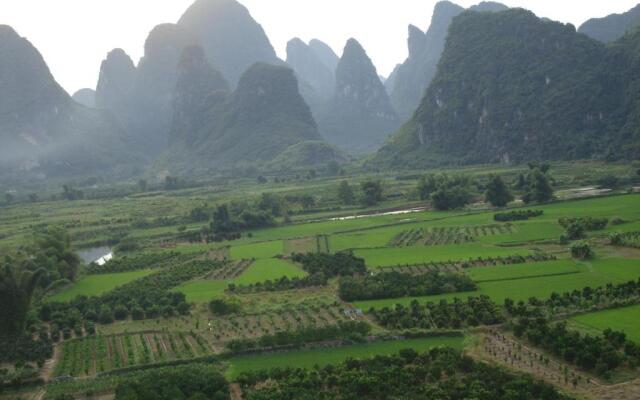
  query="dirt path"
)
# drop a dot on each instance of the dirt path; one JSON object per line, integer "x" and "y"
{"x": 49, "y": 366}
{"x": 236, "y": 391}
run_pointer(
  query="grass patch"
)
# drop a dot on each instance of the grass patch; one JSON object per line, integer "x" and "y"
{"x": 257, "y": 250}
{"x": 202, "y": 291}
{"x": 596, "y": 273}
{"x": 523, "y": 271}
{"x": 621, "y": 319}
{"x": 94, "y": 285}
{"x": 269, "y": 269}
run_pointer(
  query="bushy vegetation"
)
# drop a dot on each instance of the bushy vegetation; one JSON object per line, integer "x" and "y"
{"x": 581, "y": 250}
{"x": 517, "y": 215}
{"x": 537, "y": 185}
{"x": 395, "y": 284}
{"x": 183, "y": 382}
{"x": 284, "y": 283}
{"x": 598, "y": 354}
{"x": 443, "y": 315}
{"x": 445, "y": 192}
{"x": 344, "y": 330}
{"x": 628, "y": 239}
{"x": 497, "y": 192}
{"x": 223, "y": 307}
{"x": 609, "y": 296}
{"x": 439, "y": 373}
{"x": 331, "y": 265}
{"x": 148, "y": 297}
{"x": 587, "y": 223}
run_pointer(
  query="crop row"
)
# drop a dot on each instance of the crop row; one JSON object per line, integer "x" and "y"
{"x": 258, "y": 325}
{"x": 453, "y": 266}
{"x": 230, "y": 270}
{"x": 93, "y": 355}
{"x": 448, "y": 235}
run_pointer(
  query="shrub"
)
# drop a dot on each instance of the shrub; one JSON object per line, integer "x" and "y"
{"x": 106, "y": 315}
{"x": 222, "y": 307}
{"x": 517, "y": 215}
{"x": 120, "y": 313}
{"x": 581, "y": 250}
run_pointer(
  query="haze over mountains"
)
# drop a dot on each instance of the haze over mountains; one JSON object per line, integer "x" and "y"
{"x": 483, "y": 85}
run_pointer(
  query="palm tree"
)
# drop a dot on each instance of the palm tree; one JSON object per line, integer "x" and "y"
{"x": 17, "y": 286}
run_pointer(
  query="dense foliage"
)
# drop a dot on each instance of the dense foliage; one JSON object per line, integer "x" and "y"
{"x": 148, "y": 297}
{"x": 372, "y": 193}
{"x": 395, "y": 284}
{"x": 223, "y": 307}
{"x": 185, "y": 382}
{"x": 628, "y": 239}
{"x": 445, "y": 192}
{"x": 284, "y": 283}
{"x": 438, "y": 374}
{"x": 443, "y": 315}
{"x": 512, "y": 87}
{"x": 517, "y": 215}
{"x": 497, "y": 192}
{"x": 598, "y": 354}
{"x": 331, "y": 265}
{"x": 581, "y": 250}
{"x": 587, "y": 223}
{"x": 587, "y": 299}
{"x": 349, "y": 330}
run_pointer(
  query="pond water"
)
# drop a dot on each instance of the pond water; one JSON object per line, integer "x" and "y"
{"x": 380, "y": 214}
{"x": 94, "y": 253}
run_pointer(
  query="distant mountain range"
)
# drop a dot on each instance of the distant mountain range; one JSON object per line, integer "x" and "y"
{"x": 612, "y": 27}
{"x": 487, "y": 84}
{"x": 42, "y": 128}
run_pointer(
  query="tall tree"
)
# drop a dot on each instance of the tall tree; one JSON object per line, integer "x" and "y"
{"x": 371, "y": 193}
{"x": 17, "y": 286}
{"x": 345, "y": 193}
{"x": 539, "y": 188}
{"x": 498, "y": 193}
{"x": 52, "y": 251}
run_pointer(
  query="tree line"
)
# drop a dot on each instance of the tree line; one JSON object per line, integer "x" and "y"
{"x": 344, "y": 330}
{"x": 441, "y": 373}
{"x": 598, "y": 354}
{"x": 457, "y": 314}
{"x": 387, "y": 285}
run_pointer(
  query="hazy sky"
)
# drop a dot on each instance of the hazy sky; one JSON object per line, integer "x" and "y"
{"x": 75, "y": 35}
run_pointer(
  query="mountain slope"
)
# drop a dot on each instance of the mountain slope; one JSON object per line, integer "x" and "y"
{"x": 231, "y": 38}
{"x": 115, "y": 85}
{"x": 414, "y": 75}
{"x": 196, "y": 81}
{"x": 359, "y": 117}
{"x": 612, "y": 27}
{"x": 412, "y": 78}
{"x": 264, "y": 117}
{"x": 86, "y": 97}
{"x": 511, "y": 88}
{"x": 309, "y": 68}
{"x": 41, "y": 128}
{"x": 325, "y": 54}
{"x": 155, "y": 83}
